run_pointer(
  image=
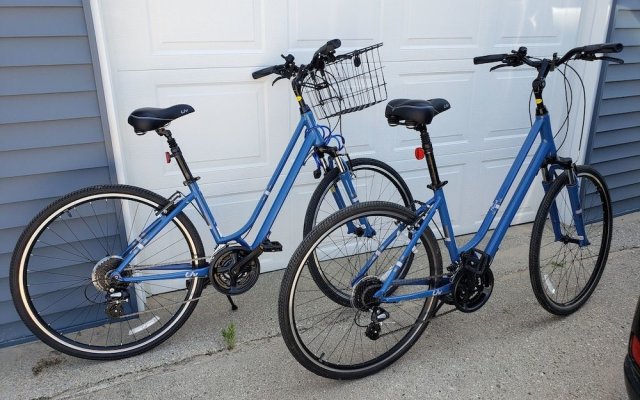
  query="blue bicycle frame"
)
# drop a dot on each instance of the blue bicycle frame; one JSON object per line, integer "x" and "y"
{"x": 546, "y": 150}
{"x": 312, "y": 137}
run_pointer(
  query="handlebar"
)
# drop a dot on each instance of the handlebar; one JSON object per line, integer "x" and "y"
{"x": 489, "y": 58}
{"x": 544, "y": 66}
{"x": 519, "y": 57}
{"x": 328, "y": 48}
{"x": 588, "y": 52}
{"x": 289, "y": 68}
{"x": 604, "y": 48}
{"x": 261, "y": 73}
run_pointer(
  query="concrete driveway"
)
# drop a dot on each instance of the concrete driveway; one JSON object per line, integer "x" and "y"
{"x": 510, "y": 349}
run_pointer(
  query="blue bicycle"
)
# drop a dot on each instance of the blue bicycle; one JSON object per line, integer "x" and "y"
{"x": 387, "y": 277}
{"x": 111, "y": 271}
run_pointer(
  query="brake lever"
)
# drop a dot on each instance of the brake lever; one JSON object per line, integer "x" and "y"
{"x": 499, "y": 66}
{"x": 610, "y": 59}
{"x": 276, "y": 80}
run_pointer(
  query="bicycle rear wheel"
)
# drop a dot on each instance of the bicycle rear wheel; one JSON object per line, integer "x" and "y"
{"x": 563, "y": 273}
{"x": 373, "y": 180}
{"x": 60, "y": 265}
{"x": 334, "y": 340}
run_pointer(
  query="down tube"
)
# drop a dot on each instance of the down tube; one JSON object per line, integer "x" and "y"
{"x": 494, "y": 243}
{"x": 309, "y": 141}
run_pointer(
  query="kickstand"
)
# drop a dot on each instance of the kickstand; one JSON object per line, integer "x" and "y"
{"x": 233, "y": 305}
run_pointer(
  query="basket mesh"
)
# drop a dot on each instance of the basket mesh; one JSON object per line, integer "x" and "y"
{"x": 353, "y": 82}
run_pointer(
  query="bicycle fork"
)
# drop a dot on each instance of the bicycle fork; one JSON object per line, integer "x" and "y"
{"x": 345, "y": 175}
{"x": 556, "y": 216}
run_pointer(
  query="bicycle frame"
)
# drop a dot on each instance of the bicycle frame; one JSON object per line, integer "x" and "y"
{"x": 546, "y": 150}
{"x": 312, "y": 138}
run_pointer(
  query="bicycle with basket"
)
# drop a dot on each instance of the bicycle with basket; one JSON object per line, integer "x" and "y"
{"x": 111, "y": 271}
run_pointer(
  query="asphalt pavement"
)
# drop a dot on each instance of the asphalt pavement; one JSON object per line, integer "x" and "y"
{"x": 509, "y": 349}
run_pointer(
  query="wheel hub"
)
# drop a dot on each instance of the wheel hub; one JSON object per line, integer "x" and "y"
{"x": 362, "y": 297}
{"x": 101, "y": 271}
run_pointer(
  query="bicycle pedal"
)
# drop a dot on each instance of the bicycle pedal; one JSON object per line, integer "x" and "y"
{"x": 271, "y": 246}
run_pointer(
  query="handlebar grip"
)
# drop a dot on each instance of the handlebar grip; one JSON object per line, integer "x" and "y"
{"x": 603, "y": 48}
{"x": 490, "y": 58}
{"x": 329, "y": 47}
{"x": 261, "y": 73}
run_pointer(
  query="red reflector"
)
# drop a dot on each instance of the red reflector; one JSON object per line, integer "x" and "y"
{"x": 167, "y": 156}
{"x": 635, "y": 349}
{"x": 419, "y": 153}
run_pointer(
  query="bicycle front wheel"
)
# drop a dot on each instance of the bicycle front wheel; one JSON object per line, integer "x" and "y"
{"x": 373, "y": 180}
{"x": 60, "y": 267}
{"x": 339, "y": 341}
{"x": 563, "y": 273}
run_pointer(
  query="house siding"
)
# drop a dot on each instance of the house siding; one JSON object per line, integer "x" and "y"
{"x": 615, "y": 132}
{"x": 52, "y": 129}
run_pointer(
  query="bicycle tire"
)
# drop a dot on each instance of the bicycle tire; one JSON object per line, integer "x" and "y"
{"x": 59, "y": 262}
{"x": 555, "y": 264}
{"x": 299, "y": 292}
{"x": 374, "y": 181}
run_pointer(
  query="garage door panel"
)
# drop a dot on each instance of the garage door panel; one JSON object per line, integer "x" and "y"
{"x": 175, "y": 28}
{"x": 505, "y": 128}
{"x": 545, "y": 23}
{"x": 420, "y": 30}
{"x": 203, "y": 34}
{"x": 233, "y": 116}
{"x": 357, "y": 23}
{"x": 453, "y": 80}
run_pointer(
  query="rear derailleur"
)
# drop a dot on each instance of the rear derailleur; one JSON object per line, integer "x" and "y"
{"x": 363, "y": 299}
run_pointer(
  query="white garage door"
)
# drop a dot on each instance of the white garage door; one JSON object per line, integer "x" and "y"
{"x": 164, "y": 52}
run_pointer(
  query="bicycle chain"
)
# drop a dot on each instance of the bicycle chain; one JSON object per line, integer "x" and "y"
{"x": 423, "y": 322}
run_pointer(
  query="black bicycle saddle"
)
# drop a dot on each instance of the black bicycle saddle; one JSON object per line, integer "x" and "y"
{"x": 149, "y": 118}
{"x": 414, "y": 112}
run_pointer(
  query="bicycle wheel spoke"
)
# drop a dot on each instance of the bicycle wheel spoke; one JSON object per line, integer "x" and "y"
{"x": 86, "y": 312}
{"x": 331, "y": 329}
{"x": 564, "y": 273}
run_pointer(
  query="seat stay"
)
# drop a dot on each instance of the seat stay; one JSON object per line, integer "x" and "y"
{"x": 161, "y": 221}
{"x": 389, "y": 276}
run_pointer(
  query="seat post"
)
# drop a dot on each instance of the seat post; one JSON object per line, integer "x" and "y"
{"x": 430, "y": 158}
{"x": 177, "y": 154}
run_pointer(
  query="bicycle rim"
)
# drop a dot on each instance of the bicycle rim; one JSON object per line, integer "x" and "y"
{"x": 565, "y": 273}
{"x": 61, "y": 274}
{"x": 331, "y": 339}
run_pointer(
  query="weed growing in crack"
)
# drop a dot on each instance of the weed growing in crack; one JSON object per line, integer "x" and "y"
{"x": 229, "y": 336}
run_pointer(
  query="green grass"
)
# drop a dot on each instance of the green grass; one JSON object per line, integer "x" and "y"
{"x": 229, "y": 336}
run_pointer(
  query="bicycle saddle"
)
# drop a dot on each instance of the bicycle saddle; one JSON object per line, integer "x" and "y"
{"x": 414, "y": 112}
{"x": 149, "y": 118}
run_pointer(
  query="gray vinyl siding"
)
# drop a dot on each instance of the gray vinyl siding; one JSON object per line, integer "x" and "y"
{"x": 615, "y": 134}
{"x": 52, "y": 130}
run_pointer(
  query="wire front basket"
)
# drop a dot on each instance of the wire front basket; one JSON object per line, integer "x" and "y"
{"x": 352, "y": 82}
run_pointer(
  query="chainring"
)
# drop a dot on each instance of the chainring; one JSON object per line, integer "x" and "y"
{"x": 222, "y": 275}
{"x": 470, "y": 290}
